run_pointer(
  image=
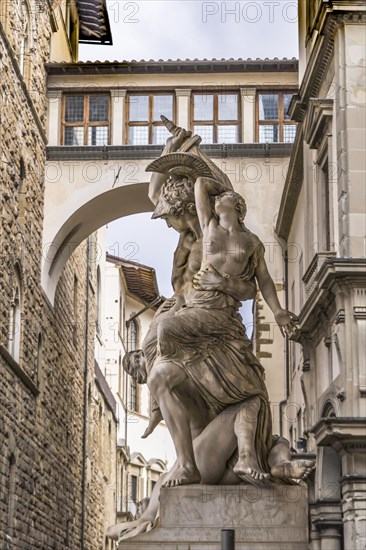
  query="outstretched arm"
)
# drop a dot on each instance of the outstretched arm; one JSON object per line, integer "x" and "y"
{"x": 285, "y": 319}
{"x": 204, "y": 188}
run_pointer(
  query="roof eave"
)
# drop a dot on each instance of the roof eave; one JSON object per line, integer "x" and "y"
{"x": 176, "y": 66}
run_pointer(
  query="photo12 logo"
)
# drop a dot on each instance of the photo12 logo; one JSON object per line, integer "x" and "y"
{"x": 249, "y": 12}
{"x": 124, "y": 12}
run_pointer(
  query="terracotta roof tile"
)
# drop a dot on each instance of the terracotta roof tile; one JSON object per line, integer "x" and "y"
{"x": 140, "y": 279}
{"x": 182, "y": 61}
{"x": 174, "y": 67}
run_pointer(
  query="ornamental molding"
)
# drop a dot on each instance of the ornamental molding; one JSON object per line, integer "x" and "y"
{"x": 340, "y": 433}
{"x": 320, "y": 58}
{"x": 359, "y": 312}
{"x": 248, "y": 91}
{"x": 183, "y": 92}
{"x": 292, "y": 186}
{"x": 136, "y": 152}
{"x": 340, "y": 317}
{"x": 177, "y": 66}
{"x": 318, "y": 121}
{"x": 118, "y": 93}
{"x": 333, "y": 273}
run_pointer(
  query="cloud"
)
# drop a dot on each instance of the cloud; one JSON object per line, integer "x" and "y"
{"x": 171, "y": 29}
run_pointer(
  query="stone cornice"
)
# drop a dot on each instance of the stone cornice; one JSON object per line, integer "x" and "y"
{"x": 332, "y": 273}
{"x": 350, "y": 271}
{"x": 315, "y": 70}
{"x": 359, "y": 312}
{"x": 311, "y": 273}
{"x": 340, "y": 432}
{"x": 23, "y": 85}
{"x": 329, "y": 20}
{"x": 352, "y": 479}
{"x": 136, "y": 152}
{"x": 177, "y": 66}
{"x": 327, "y": 514}
{"x": 292, "y": 187}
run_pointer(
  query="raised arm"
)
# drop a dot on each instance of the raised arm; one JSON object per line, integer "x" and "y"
{"x": 204, "y": 188}
{"x": 157, "y": 181}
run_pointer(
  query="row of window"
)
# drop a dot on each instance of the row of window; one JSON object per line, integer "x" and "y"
{"x": 215, "y": 117}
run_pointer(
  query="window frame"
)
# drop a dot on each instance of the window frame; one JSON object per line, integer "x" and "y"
{"x": 215, "y": 122}
{"x": 280, "y": 121}
{"x": 150, "y": 124}
{"x": 324, "y": 203}
{"x": 133, "y": 403}
{"x": 132, "y": 478}
{"x": 25, "y": 39}
{"x": 85, "y": 124}
{"x": 15, "y": 318}
{"x": 136, "y": 332}
{"x": 98, "y": 303}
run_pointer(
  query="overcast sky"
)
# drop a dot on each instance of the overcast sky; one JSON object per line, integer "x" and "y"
{"x": 171, "y": 29}
{"x": 180, "y": 29}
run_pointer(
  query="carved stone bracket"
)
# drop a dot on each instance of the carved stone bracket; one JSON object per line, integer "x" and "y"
{"x": 319, "y": 117}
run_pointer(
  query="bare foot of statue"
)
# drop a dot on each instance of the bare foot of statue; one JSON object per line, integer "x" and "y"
{"x": 294, "y": 469}
{"x": 184, "y": 475}
{"x": 249, "y": 466}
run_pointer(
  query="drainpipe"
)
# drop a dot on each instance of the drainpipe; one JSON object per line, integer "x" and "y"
{"x": 85, "y": 404}
{"x": 287, "y": 359}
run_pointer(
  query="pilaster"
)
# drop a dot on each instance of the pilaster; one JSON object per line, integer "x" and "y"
{"x": 247, "y": 96}
{"x": 118, "y": 99}
{"x": 347, "y": 436}
{"x": 54, "y": 117}
{"x": 183, "y": 97}
{"x": 354, "y": 510}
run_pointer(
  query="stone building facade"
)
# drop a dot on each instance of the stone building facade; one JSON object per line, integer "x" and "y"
{"x": 49, "y": 497}
{"x": 322, "y": 223}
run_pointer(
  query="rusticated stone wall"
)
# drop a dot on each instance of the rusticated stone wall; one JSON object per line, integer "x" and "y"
{"x": 47, "y": 468}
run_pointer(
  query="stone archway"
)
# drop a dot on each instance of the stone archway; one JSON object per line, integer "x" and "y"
{"x": 75, "y": 210}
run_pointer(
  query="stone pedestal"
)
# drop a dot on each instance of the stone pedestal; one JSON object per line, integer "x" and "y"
{"x": 264, "y": 518}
